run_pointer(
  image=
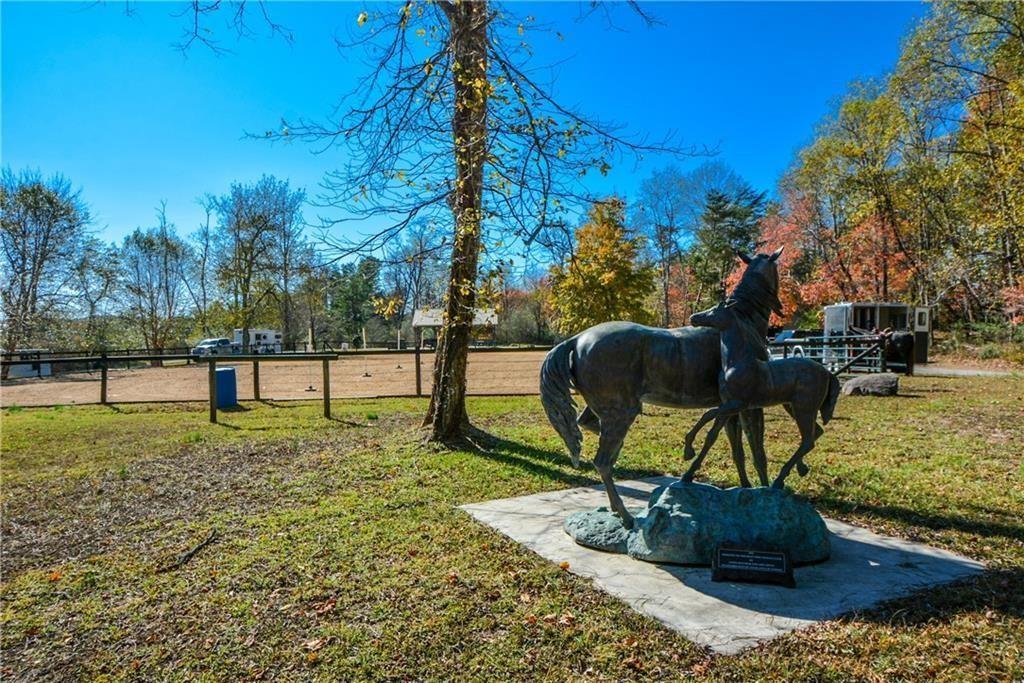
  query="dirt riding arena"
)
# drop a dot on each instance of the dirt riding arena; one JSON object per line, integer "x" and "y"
{"x": 351, "y": 377}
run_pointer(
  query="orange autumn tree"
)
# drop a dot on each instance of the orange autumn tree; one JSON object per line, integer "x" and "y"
{"x": 683, "y": 293}
{"x": 779, "y": 231}
{"x": 855, "y": 272}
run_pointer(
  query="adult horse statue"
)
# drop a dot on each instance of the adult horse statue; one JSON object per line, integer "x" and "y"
{"x": 618, "y": 366}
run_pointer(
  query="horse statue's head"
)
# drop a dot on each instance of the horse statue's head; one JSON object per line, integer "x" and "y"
{"x": 720, "y": 316}
{"x": 758, "y": 288}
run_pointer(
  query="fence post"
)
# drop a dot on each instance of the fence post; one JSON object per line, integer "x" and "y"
{"x": 256, "y": 380}
{"x": 419, "y": 372}
{"x": 327, "y": 388}
{"x": 103, "y": 378}
{"x": 212, "y": 371}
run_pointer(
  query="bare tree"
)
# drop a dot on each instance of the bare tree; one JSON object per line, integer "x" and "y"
{"x": 661, "y": 213}
{"x": 44, "y": 225}
{"x": 251, "y": 221}
{"x": 452, "y": 122}
{"x": 198, "y": 270}
{"x": 289, "y": 251}
{"x": 414, "y": 268}
{"x": 155, "y": 295}
{"x": 96, "y": 274}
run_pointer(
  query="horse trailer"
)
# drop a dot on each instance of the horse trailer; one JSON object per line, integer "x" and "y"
{"x": 872, "y": 317}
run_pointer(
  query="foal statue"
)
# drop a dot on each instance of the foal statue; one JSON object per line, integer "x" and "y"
{"x": 619, "y": 366}
{"x": 802, "y": 386}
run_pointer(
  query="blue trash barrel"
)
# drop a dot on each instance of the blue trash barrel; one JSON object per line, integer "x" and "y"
{"x": 227, "y": 388}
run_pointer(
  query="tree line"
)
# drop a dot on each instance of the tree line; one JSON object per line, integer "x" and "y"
{"x": 249, "y": 265}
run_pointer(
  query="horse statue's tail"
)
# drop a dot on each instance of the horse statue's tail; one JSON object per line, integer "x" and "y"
{"x": 829, "y": 406}
{"x": 555, "y": 384}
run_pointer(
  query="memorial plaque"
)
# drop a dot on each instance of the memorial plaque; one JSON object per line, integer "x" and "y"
{"x": 752, "y": 566}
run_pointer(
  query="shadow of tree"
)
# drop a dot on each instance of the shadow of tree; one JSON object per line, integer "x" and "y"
{"x": 917, "y": 518}
{"x": 999, "y": 590}
{"x": 546, "y": 463}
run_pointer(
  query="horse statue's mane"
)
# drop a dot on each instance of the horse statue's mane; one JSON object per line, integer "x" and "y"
{"x": 754, "y": 297}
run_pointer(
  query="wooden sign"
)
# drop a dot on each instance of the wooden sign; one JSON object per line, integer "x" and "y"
{"x": 752, "y": 566}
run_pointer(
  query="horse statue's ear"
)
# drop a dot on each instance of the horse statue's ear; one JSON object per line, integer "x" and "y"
{"x": 777, "y": 253}
{"x": 743, "y": 257}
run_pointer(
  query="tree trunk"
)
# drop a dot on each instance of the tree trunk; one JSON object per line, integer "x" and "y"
{"x": 664, "y": 293}
{"x": 447, "y": 412}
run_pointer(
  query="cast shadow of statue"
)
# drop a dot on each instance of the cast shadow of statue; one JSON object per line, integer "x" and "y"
{"x": 538, "y": 461}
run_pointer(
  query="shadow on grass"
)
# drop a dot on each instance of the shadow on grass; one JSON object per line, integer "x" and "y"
{"x": 538, "y": 461}
{"x": 999, "y": 590}
{"x": 911, "y": 517}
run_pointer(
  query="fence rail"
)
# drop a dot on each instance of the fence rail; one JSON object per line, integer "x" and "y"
{"x": 186, "y": 351}
{"x": 850, "y": 353}
{"x": 364, "y": 373}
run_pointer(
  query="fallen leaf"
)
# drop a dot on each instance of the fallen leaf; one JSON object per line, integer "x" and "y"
{"x": 564, "y": 566}
{"x": 315, "y": 644}
{"x": 55, "y": 576}
{"x": 566, "y": 620}
{"x": 525, "y": 598}
{"x": 325, "y": 606}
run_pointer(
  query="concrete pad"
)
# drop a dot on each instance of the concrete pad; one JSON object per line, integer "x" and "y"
{"x": 865, "y": 569}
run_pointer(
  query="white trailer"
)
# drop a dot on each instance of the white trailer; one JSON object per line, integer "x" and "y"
{"x": 261, "y": 341}
{"x": 872, "y": 317}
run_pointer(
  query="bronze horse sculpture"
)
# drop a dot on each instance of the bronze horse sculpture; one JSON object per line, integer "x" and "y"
{"x": 802, "y": 386}
{"x": 618, "y": 366}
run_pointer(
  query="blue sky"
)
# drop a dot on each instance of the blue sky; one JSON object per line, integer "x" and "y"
{"x": 108, "y": 101}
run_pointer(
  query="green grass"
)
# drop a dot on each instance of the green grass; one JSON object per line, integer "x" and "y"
{"x": 340, "y": 554}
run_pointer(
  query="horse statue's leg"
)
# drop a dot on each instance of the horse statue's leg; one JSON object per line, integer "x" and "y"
{"x": 806, "y": 420}
{"x": 614, "y": 426}
{"x": 688, "y": 452}
{"x": 801, "y": 467}
{"x": 735, "y": 434}
{"x": 722, "y": 415}
{"x": 732, "y": 430}
{"x": 753, "y": 426}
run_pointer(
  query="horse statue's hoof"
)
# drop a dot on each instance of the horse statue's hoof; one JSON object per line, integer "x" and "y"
{"x": 779, "y": 484}
{"x": 627, "y": 521}
{"x": 686, "y": 478}
{"x": 688, "y": 452}
{"x": 802, "y": 469}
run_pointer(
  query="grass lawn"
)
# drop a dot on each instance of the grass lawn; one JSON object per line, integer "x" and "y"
{"x": 339, "y": 553}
